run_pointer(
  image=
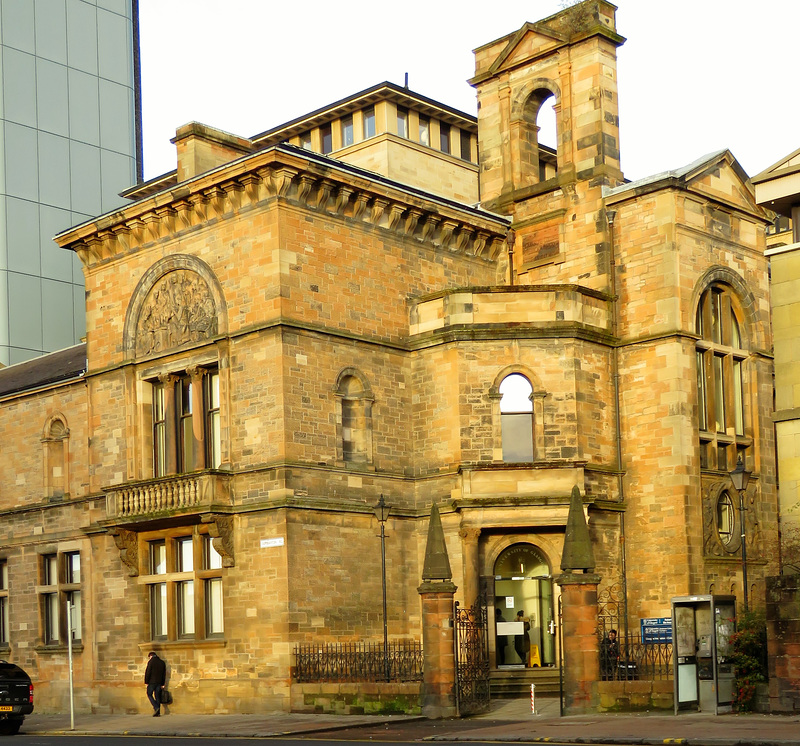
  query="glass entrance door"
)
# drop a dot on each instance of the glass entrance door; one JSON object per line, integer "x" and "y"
{"x": 523, "y": 584}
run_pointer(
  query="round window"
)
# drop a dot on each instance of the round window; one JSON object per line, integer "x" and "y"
{"x": 726, "y": 520}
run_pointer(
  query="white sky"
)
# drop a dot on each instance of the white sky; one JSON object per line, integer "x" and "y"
{"x": 695, "y": 76}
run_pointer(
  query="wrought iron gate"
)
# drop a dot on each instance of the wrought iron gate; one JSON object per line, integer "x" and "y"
{"x": 472, "y": 658}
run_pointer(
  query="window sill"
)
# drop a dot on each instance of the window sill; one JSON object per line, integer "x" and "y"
{"x": 76, "y": 648}
{"x": 183, "y": 644}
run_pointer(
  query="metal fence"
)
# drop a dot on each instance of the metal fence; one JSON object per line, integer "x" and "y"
{"x": 633, "y": 659}
{"x": 627, "y": 657}
{"x": 358, "y": 661}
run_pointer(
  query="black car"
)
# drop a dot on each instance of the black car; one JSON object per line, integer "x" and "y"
{"x": 16, "y": 698}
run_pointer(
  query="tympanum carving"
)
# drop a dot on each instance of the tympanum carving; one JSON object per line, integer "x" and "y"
{"x": 178, "y": 309}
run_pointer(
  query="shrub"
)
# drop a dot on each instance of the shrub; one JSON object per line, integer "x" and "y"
{"x": 749, "y": 646}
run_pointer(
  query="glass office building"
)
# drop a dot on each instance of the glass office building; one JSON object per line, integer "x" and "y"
{"x": 69, "y": 144}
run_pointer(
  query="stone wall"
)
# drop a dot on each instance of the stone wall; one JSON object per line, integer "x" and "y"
{"x": 358, "y": 698}
{"x": 633, "y": 696}
{"x": 783, "y": 643}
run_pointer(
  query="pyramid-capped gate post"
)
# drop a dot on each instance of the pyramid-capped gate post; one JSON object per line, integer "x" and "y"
{"x": 578, "y": 581}
{"x": 437, "y": 592}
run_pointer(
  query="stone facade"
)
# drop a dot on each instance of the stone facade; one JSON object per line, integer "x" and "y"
{"x": 276, "y": 342}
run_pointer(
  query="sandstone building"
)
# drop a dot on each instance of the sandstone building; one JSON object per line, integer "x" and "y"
{"x": 778, "y": 189}
{"x": 388, "y": 297}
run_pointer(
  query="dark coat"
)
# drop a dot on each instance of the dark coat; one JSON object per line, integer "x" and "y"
{"x": 156, "y": 671}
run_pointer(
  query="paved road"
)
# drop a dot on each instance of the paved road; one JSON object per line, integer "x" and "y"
{"x": 508, "y": 720}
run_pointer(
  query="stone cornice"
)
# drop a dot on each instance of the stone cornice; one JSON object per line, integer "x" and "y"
{"x": 313, "y": 182}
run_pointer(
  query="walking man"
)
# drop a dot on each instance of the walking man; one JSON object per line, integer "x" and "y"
{"x": 155, "y": 676}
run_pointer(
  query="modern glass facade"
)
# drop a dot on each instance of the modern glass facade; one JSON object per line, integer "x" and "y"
{"x": 68, "y": 145}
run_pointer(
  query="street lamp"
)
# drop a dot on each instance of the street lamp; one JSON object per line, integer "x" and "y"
{"x": 740, "y": 477}
{"x": 382, "y": 514}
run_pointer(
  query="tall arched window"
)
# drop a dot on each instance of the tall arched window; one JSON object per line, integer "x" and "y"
{"x": 516, "y": 418}
{"x": 355, "y": 418}
{"x": 720, "y": 380}
{"x": 538, "y": 138}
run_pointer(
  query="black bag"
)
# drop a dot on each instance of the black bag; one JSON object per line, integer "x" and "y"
{"x": 166, "y": 697}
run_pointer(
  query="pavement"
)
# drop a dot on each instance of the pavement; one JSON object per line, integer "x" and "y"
{"x": 507, "y": 720}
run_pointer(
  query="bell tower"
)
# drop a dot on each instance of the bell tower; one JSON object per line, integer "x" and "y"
{"x": 568, "y": 61}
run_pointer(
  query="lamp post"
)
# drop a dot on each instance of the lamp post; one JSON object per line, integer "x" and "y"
{"x": 740, "y": 477}
{"x": 382, "y": 514}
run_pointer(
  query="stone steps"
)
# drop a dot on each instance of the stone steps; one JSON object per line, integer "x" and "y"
{"x": 516, "y": 682}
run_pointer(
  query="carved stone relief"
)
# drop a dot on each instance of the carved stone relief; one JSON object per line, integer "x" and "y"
{"x": 178, "y": 309}
{"x": 220, "y": 528}
{"x": 128, "y": 544}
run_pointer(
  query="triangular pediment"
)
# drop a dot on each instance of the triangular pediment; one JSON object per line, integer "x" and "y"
{"x": 722, "y": 179}
{"x": 531, "y": 41}
{"x": 787, "y": 165}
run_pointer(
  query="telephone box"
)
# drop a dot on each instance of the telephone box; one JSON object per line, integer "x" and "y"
{"x": 704, "y": 676}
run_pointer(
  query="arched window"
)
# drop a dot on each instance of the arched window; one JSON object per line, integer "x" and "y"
{"x": 354, "y": 418}
{"x": 56, "y": 457}
{"x": 538, "y": 142}
{"x": 722, "y": 415}
{"x": 516, "y": 418}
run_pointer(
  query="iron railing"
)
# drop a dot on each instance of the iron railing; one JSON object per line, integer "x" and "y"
{"x": 633, "y": 659}
{"x": 627, "y": 657}
{"x": 358, "y": 661}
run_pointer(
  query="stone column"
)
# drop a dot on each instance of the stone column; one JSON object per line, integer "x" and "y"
{"x": 472, "y": 572}
{"x": 581, "y": 649}
{"x": 198, "y": 417}
{"x": 439, "y": 662}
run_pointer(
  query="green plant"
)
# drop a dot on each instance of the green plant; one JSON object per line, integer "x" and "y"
{"x": 748, "y": 646}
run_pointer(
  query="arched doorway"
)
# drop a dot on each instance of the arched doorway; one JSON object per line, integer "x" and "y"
{"x": 522, "y": 582}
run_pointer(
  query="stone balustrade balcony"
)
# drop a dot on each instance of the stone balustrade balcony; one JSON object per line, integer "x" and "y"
{"x": 175, "y": 494}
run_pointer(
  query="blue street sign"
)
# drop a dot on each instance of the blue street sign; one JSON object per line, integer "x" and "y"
{"x": 656, "y": 630}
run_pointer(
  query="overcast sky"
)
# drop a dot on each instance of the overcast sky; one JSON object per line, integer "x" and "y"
{"x": 695, "y": 76}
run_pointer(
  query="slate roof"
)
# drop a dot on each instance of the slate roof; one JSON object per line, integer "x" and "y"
{"x": 42, "y": 371}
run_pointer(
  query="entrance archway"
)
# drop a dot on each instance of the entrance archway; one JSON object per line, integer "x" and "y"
{"x": 523, "y": 582}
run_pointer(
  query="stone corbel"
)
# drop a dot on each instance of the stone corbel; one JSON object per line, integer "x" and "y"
{"x": 199, "y": 204}
{"x": 304, "y": 187}
{"x": 251, "y": 184}
{"x": 122, "y": 236}
{"x": 412, "y": 221}
{"x": 128, "y": 544}
{"x": 479, "y": 243}
{"x": 233, "y": 192}
{"x": 496, "y": 245}
{"x": 379, "y": 210}
{"x": 152, "y": 227}
{"x": 464, "y": 238}
{"x": 448, "y": 230}
{"x": 216, "y": 201}
{"x": 220, "y": 529}
{"x": 324, "y": 193}
{"x": 360, "y": 205}
{"x": 430, "y": 226}
{"x": 281, "y": 181}
{"x": 342, "y": 199}
{"x": 395, "y": 215}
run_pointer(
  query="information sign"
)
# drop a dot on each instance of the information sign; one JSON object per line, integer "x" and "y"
{"x": 658, "y": 629}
